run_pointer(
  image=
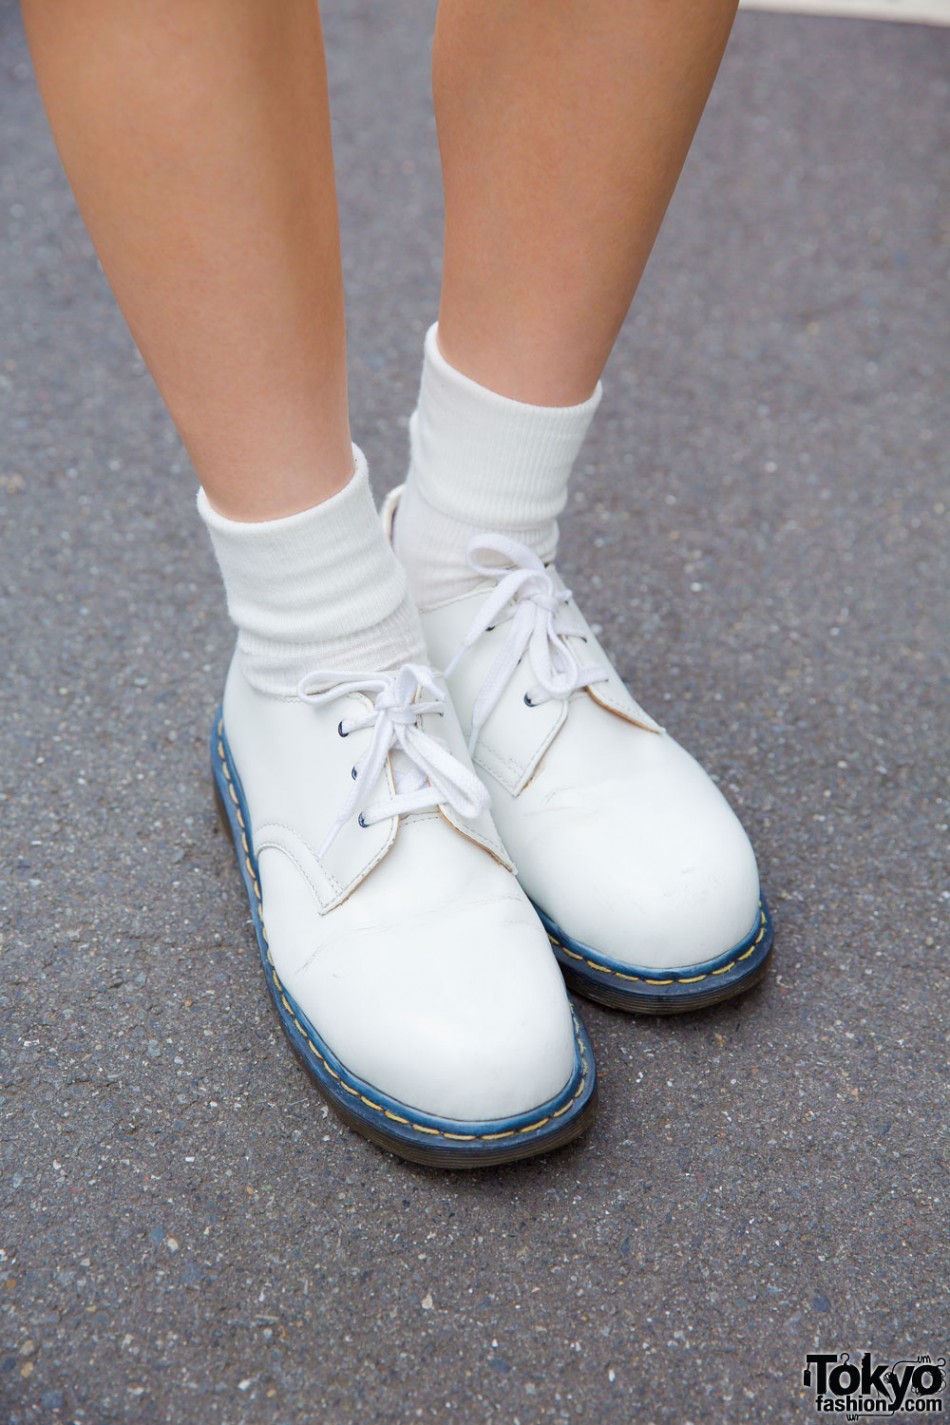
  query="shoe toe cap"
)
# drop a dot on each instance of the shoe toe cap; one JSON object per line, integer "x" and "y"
{"x": 454, "y": 1007}
{"x": 653, "y": 871}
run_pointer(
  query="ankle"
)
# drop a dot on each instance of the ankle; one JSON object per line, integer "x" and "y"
{"x": 480, "y": 461}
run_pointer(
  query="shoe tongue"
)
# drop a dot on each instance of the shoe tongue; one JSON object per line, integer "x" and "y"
{"x": 406, "y": 774}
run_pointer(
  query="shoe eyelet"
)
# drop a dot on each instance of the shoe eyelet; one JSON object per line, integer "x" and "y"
{"x": 527, "y": 701}
{"x": 353, "y": 773}
{"x": 361, "y": 821}
{"x": 339, "y": 728}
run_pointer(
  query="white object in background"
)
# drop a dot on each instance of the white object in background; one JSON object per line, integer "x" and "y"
{"x": 914, "y": 12}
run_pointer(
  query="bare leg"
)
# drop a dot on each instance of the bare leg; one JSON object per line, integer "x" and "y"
{"x": 563, "y": 127}
{"x": 196, "y": 135}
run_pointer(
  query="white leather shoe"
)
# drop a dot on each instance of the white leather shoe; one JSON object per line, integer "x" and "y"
{"x": 407, "y": 965}
{"x": 639, "y": 869}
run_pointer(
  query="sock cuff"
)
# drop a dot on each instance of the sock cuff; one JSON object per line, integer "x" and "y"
{"x": 484, "y": 458}
{"x": 291, "y": 533}
{"x": 325, "y": 579}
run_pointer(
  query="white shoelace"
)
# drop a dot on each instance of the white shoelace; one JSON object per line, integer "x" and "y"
{"x": 526, "y": 595}
{"x": 427, "y": 774}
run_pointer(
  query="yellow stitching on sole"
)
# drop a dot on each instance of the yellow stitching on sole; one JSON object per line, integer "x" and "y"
{"x": 674, "y": 980}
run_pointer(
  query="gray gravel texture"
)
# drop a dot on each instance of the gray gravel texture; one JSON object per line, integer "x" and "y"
{"x": 187, "y": 1235}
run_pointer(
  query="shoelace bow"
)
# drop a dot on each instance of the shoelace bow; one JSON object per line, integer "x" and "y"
{"x": 525, "y": 594}
{"x": 427, "y": 774}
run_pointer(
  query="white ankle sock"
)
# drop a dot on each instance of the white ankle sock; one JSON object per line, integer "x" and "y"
{"x": 480, "y": 461}
{"x": 321, "y": 589}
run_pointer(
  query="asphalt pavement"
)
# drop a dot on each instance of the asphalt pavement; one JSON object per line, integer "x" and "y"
{"x": 758, "y": 526}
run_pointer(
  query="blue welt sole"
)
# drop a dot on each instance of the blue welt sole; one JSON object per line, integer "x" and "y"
{"x": 645, "y": 991}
